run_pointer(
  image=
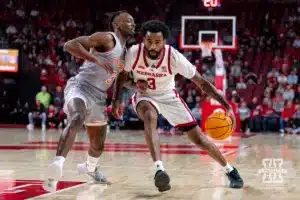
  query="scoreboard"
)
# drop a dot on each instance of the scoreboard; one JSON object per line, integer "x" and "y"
{"x": 212, "y": 3}
{"x": 9, "y": 60}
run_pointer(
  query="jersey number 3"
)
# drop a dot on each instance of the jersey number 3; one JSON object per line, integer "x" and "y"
{"x": 151, "y": 83}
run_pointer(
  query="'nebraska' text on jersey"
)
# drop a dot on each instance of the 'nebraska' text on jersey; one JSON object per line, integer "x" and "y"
{"x": 160, "y": 74}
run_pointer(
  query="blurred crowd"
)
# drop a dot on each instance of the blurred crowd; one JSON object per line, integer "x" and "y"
{"x": 262, "y": 74}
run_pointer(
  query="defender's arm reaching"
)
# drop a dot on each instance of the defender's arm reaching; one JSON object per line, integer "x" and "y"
{"x": 120, "y": 81}
{"x": 80, "y": 46}
{"x": 124, "y": 80}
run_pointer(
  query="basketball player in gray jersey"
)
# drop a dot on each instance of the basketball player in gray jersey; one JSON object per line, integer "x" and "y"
{"x": 85, "y": 95}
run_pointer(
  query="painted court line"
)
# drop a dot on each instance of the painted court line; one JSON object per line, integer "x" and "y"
{"x": 133, "y": 145}
{"x": 59, "y": 191}
{"x": 85, "y": 148}
{"x": 20, "y": 186}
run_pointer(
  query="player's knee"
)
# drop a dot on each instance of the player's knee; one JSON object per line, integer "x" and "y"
{"x": 76, "y": 105}
{"x": 77, "y": 120}
{"x": 150, "y": 116}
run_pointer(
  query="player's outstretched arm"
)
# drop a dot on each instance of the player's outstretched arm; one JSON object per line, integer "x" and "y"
{"x": 80, "y": 46}
{"x": 184, "y": 67}
{"x": 210, "y": 90}
{"x": 122, "y": 77}
{"x": 120, "y": 80}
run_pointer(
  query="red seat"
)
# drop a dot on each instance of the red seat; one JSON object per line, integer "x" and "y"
{"x": 268, "y": 58}
{"x": 258, "y": 90}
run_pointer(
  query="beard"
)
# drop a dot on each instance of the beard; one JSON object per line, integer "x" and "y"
{"x": 153, "y": 54}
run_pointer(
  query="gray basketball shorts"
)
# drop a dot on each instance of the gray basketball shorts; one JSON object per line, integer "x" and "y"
{"x": 93, "y": 98}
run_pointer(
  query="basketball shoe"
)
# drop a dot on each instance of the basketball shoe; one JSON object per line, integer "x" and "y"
{"x": 97, "y": 176}
{"x": 235, "y": 179}
{"x": 162, "y": 181}
{"x": 54, "y": 174}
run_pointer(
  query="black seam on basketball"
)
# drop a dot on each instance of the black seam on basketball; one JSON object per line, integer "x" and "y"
{"x": 222, "y": 134}
{"x": 219, "y": 127}
{"x": 229, "y": 125}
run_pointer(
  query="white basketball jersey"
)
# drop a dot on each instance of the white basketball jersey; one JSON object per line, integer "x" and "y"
{"x": 160, "y": 74}
{"x": 96, "y": 76}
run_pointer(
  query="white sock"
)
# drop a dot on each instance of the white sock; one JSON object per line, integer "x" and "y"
{"x": 91, "y": 163}
{"x": 227, "y": 168}
{"x": 59, "y": 159}
{"x": 159, "y": 165}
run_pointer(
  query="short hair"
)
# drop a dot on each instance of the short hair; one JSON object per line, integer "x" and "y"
{"x": 114, "y": 16}
{"x": 155, "y": 26}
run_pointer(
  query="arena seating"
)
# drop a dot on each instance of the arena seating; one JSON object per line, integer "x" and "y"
{"x": 40, "y": 30}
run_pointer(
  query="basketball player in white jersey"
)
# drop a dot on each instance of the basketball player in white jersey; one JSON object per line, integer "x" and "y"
{"x": 156, "y": 64}
{"x": 85, "y": 94}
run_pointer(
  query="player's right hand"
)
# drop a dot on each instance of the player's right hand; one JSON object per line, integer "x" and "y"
{"x": 117, "y": 110}
{"x": 230, "y": 113}
{"x": 105, "y": 66}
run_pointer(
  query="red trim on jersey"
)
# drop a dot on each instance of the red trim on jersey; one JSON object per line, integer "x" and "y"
{"x": 137, "y": 57}
{"x": 176, "y": 93}
{"x": 169, "y": 60}
{"x": 159, "y": 62}
{"x": 185, "y": 124}
{"x": 186, "y": 107}
{"x": 134, "y": 98}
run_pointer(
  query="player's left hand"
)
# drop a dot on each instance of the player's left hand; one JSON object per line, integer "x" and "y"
{"x": 230, "y": 114}
{"x": 142, "y": 85}
{"x": 117, "y": 110}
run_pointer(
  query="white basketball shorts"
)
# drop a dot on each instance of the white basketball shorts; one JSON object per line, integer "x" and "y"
{"x": 95, "y": 106}
{"x": 170, "y": 105}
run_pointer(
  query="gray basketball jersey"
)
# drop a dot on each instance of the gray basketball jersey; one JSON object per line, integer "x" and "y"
{"x": 96, "y": 76}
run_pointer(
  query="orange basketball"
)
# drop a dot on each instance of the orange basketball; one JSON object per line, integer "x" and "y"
{"x": 218, "y": 126}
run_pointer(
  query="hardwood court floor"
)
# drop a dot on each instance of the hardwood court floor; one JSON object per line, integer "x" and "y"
{"x": 127, "y": 164}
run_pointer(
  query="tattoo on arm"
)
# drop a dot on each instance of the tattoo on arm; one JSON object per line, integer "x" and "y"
{"x": 210, "y": 90}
